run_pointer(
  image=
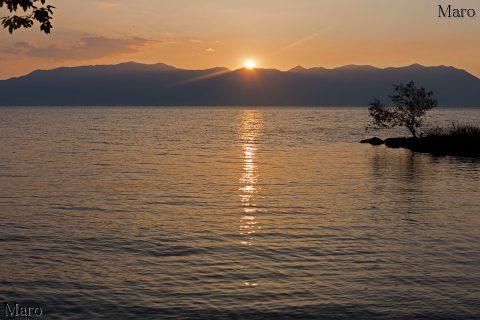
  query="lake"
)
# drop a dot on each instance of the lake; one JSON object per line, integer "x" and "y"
{"x": 232, "y": 213}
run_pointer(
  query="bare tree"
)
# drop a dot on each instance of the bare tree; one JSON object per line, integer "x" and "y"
{"x": 410, "y": 105}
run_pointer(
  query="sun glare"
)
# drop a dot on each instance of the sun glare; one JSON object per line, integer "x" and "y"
{"x": 249, "y": 64}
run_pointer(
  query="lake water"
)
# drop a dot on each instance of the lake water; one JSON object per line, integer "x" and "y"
{"x": 232, "y": 213}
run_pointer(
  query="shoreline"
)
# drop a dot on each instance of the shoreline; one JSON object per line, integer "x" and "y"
{"x": 439, "y": 145}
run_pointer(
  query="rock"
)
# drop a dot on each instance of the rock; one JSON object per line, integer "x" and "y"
{"x": 375, "y": 141}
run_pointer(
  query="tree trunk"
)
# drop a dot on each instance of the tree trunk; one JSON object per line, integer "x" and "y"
{"x": 413, "y": 131}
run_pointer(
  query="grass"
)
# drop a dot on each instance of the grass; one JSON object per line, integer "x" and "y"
{"x": 459, "y": 131}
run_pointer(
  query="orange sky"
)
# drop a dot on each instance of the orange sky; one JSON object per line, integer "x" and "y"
{"x": 276, "y": 33}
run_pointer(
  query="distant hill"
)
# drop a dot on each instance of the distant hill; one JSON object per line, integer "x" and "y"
{"x": 134, "y": 84}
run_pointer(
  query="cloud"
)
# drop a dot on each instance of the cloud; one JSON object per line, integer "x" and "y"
{"x": 298, "y": 42}
{"x": 210, "y": 50}
{"x": 87, "y": 47}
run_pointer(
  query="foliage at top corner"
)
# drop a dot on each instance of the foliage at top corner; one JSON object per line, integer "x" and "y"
{"x": 25, "y": 13}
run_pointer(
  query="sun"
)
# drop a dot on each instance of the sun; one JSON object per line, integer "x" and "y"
{"x": 249, "y": 64}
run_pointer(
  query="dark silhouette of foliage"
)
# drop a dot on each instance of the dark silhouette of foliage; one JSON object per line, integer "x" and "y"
{"x": 33, "y": 10}
{"x": 410, "y": 105}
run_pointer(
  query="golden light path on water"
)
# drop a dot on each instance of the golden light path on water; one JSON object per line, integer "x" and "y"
{"x": 250, "y": 131}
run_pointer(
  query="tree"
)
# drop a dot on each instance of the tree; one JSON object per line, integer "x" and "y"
{"x": 33, "y": 10}
{"x": 410, "y": 105}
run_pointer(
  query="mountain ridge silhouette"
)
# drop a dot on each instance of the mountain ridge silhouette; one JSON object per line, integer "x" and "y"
{"x": 137, "y": 84}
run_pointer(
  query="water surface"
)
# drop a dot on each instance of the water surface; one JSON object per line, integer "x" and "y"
{"x": 232, "y": 213}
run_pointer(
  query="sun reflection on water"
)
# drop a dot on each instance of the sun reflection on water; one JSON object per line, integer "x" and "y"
{"x": 250, "y": 130}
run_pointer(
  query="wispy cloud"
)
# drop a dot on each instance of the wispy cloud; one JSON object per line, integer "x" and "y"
{"x": 299, "y": 42}
{"x": 87, "y": 47}
{"x": 210, "y": 50}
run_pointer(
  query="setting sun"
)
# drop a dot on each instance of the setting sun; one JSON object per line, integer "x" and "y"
{"x": 249, "y": 64}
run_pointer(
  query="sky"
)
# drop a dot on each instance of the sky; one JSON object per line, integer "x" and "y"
{"x": 200, "y": 34}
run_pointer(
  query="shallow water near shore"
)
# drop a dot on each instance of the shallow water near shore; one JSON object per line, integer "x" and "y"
{"x": 233, "y": 213}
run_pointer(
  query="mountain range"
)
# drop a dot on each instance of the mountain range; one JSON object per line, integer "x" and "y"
{"x": 135, "y": 84}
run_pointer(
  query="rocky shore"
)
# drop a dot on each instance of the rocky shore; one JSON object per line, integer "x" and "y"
{"x": 467, "y": 146}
